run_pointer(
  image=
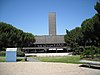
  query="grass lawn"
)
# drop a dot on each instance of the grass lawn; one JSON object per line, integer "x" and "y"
{"x": 20, "y": 59}
{"x": 3, "y": 59}
{"x": 64, "y": 59}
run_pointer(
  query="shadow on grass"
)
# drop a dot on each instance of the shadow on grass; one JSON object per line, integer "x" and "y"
{"x": 20, "y": 60}
{"x": 92, "y": 66}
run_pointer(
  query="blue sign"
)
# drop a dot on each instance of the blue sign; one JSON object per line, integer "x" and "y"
{"x": 11, "y": 54}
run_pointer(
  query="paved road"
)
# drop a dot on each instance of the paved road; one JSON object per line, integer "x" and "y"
{"x": 44, "y": 68}
{"x": 30, "y": 59}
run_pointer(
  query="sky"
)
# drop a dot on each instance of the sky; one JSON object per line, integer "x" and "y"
{"x": 32, "y": 15}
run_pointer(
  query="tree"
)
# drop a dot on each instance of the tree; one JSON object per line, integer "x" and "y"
{"x": 88, "y": 34}
{"x": 87, "y": 30}
{"x": 96, "y": 25}
{"x": 73, "y": 38}
{"x": 13, "y": 37}
{"x": 73, "y": 35}
{"x": 97, "y": 7}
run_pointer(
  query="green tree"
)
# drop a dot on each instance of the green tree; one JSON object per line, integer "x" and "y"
{"x": 13, "y": 37}
{"x": 97, "y": 7}
{"x": 73, "y": 38}
{"x": 88, "y": 34}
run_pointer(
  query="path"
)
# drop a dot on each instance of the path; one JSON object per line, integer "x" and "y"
{"x": 44, "y": 68}
{"x": 30, "y": 59}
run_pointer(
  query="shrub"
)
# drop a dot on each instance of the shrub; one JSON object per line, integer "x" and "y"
{"x": 20, "y": 53}
{"x": 2, "y": 53}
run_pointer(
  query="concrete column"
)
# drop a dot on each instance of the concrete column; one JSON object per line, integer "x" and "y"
{"x": 35, "y": 50}
{"x": 56, "y": 50}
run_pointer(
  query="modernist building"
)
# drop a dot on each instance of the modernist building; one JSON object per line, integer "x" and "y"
{"x": 51, "y": 42}
{"x": 52, "y": 24}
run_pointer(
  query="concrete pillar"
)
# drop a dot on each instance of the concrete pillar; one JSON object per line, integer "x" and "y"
{"x": 56, "y": 50}
{"x": 35, "y": 50}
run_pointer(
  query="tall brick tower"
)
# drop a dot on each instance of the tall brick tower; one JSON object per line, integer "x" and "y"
{"x": 52, "y": 23}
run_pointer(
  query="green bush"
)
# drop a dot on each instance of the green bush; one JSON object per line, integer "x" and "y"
{"x": 20, "y": 53}
{"x": 88, "y": 52}
{"x": 97, "y": 52}
{"x": 2, "y": 53}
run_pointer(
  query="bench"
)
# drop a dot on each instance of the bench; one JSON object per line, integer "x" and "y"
{"x": 90, "y": 62}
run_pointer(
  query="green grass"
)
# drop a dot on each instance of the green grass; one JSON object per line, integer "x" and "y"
{"x": 20, "y": 59}
{"x": 2, "y": 59}
{"x": 64, "y": 59}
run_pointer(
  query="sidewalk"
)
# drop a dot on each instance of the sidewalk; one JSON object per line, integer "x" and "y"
{"x": 44, "y": 68}
{"x": 31, "y": 59}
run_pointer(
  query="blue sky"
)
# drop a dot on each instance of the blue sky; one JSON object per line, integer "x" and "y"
{"x": 32, "y": 15}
